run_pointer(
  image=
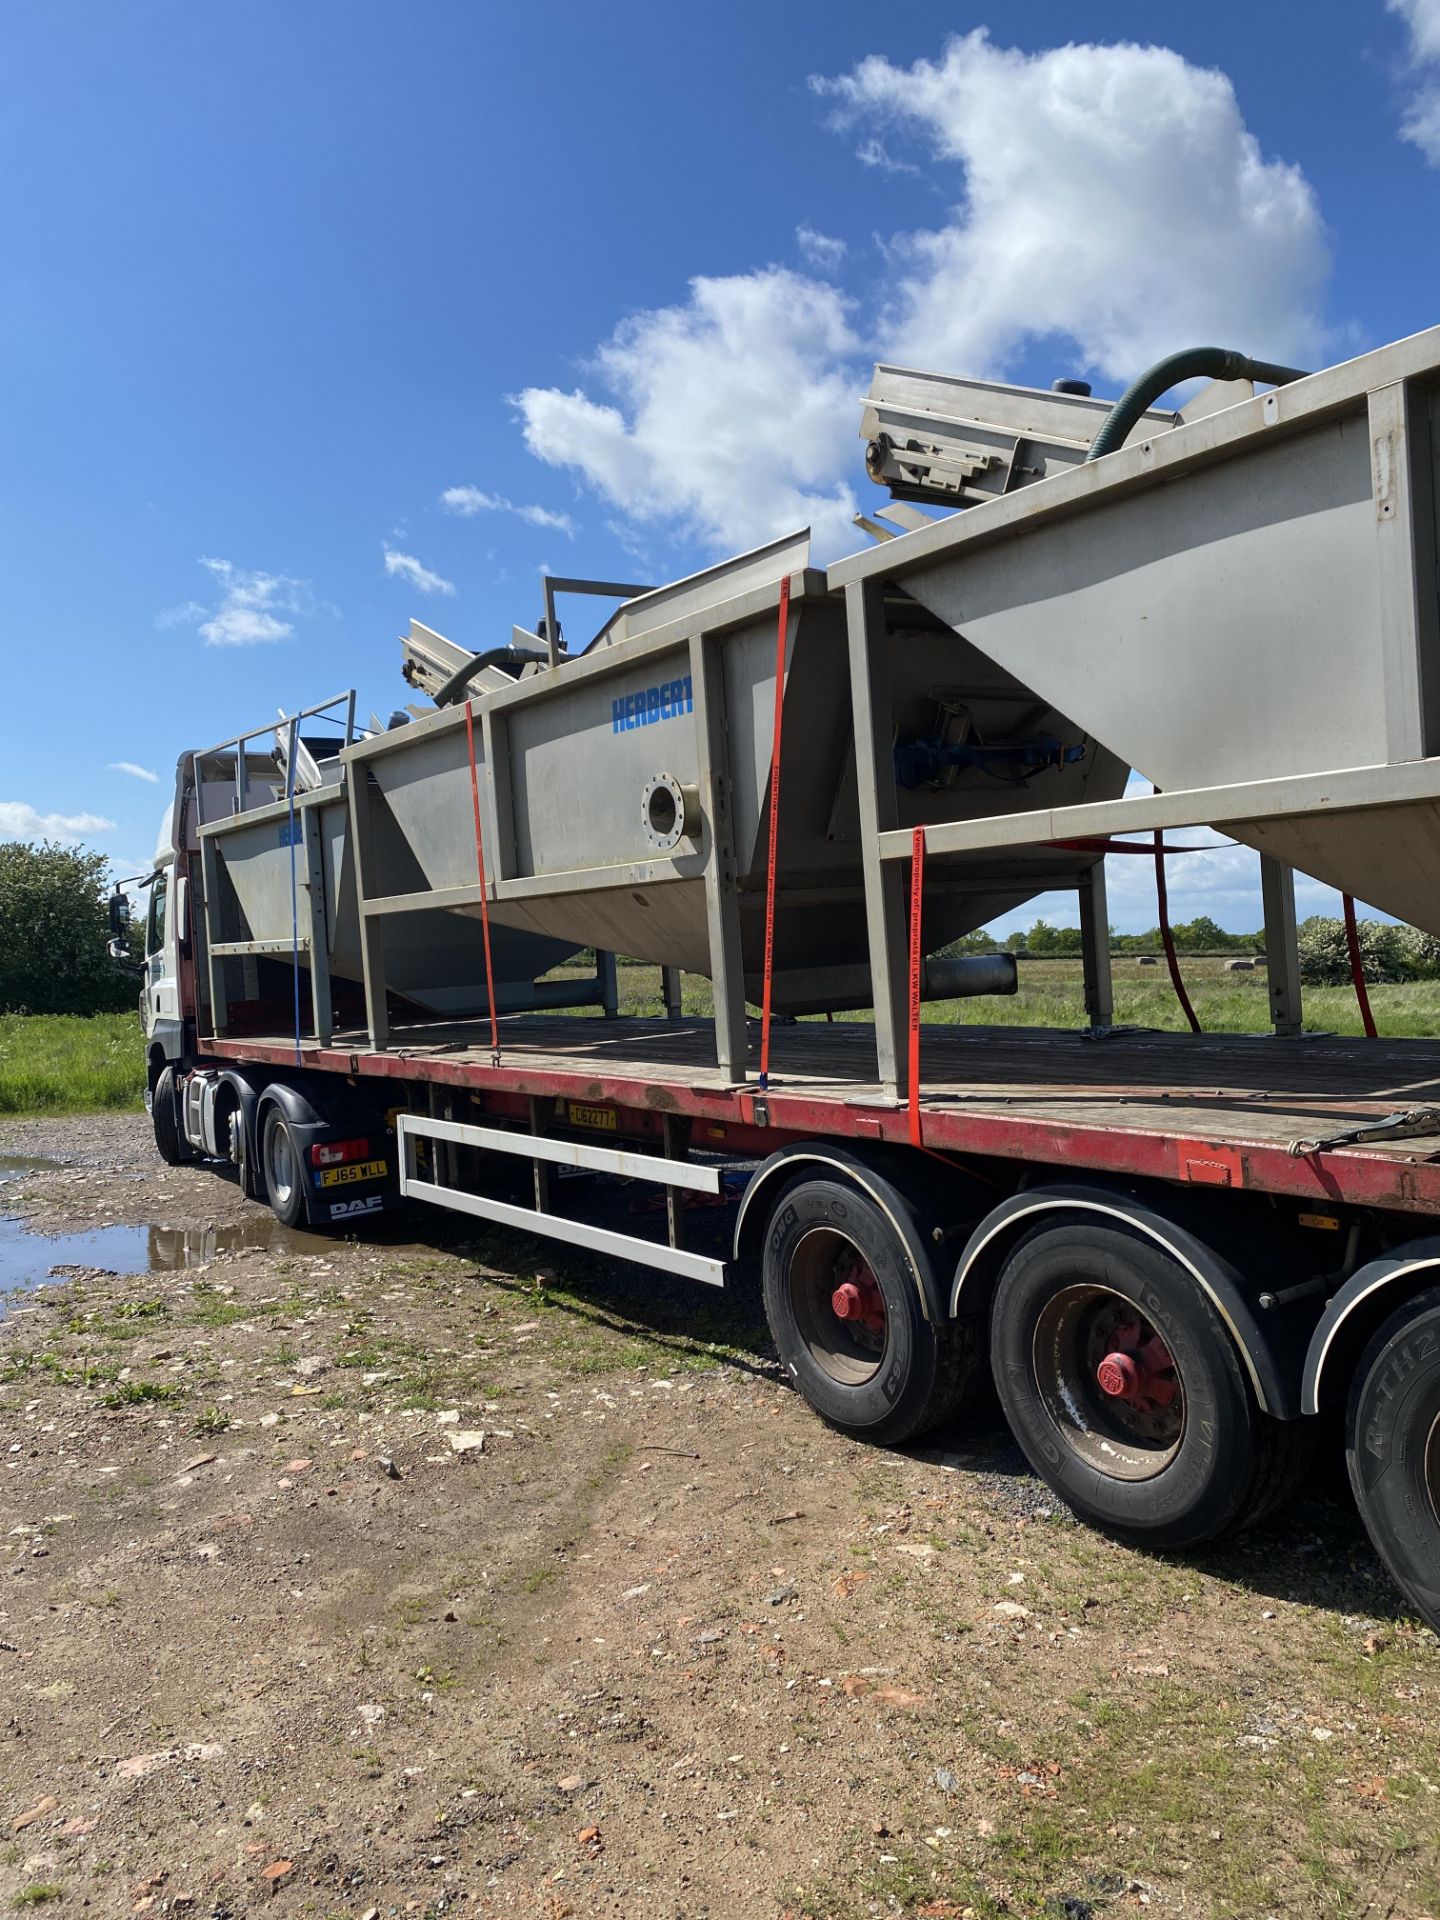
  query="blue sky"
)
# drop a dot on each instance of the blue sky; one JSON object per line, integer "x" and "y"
{"x": 279, "y": 279}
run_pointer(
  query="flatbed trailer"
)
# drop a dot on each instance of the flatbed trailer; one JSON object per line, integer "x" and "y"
{"x": 1269, "y": 1204}
{"x": 1173, "y": 1254}
{"x": 1211, "y": 1110}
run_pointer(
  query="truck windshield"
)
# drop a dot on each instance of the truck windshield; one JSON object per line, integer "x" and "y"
{"x": 155, "y": 923}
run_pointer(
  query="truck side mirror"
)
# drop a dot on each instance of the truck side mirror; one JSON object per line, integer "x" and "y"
{"x": 118, "y": 946}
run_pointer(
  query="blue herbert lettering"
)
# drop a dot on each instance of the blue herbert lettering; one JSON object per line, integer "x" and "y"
{"x": 651, "y": 704}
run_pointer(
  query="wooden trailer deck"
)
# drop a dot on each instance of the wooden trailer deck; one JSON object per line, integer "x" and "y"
{"x": 1208, "y": 1110}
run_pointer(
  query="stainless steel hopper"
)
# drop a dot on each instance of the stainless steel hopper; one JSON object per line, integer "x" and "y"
{"x": 281, "y": 893}
{"x": 1248, "y": 602}
{"x": 625, "y": 792}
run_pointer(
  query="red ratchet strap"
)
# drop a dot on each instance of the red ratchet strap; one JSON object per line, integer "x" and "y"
{"x": 770, "y": 871}
{"x": 1167, "y": 938}
{"x": 484, "y": 901}
{"x": 1357, "y": 970}
{"x": 917, "y": 961}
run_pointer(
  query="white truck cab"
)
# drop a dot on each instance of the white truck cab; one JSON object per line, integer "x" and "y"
{"x": 164, "y": 919}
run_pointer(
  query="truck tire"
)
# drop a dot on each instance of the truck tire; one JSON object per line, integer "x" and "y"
{"x": 1127, "y": 1394}
{"x": 169, "y": 1142}
{"x": 845, "y": 1310}
{"x": 1392, "y": 1449}
{"x": 282, "y": 1167}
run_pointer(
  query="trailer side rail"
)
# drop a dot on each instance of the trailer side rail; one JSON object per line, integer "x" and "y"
{"x": 542, "y": 1152}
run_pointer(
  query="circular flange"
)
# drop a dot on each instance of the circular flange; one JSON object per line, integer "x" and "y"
{"x": 665, "y": 812}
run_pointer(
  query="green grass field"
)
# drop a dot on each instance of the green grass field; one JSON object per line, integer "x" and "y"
{"x": 1051, "y": 995}
{"x": 62, "y": 1064}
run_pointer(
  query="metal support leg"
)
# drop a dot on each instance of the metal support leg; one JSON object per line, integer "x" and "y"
{"x": 442, "y": 1152}
{"x": 609, "y": 984}
{"x": 210, "y": 915}
{"x": 670, "y": 987}
{"x": 875, "y": 784}
{"x": 372, "y": 935}
{"x": 1095, "y": 950}
{"x": 722, "y": 902}
{"x": 676, "y": 1134}
{"x": 1282, "y": 951}
{"x": 319, "y": 939}
{"x": 543, "y": 1196}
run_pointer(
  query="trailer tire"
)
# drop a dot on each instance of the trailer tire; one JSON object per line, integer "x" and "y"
{"x": 1175, "y": 1451}
{"x": 887, "y": 1372}
{"x": 1392, "y": 1448}
{"x": 283, "y": 1169}
{"x": 165, "y": 1119}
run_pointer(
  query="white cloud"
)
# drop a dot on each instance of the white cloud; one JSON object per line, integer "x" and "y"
{"x": 185, "y": 615}
{"x": 248, "y": 610}
{"x": 732, "y": 414}
{"x": 20, "y": 821}
{"x": 1421, "y": 124}
{"x": 874, "y": 153}
{"x": 404, "y": 566}
{"x": 1423, "y": 19}
{"x": 468, "y": 501}
{"x": 1109, "y": 196}
{"x": 819, "y": 250}
{"x": 136, "y": 773}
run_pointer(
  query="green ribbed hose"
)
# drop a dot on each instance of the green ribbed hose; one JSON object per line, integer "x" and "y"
{"x": 1193, "y": 363}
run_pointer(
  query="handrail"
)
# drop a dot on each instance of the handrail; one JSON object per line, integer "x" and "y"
{"x": 291, "y": 721}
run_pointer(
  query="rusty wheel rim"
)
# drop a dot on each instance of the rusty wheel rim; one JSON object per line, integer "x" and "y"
{"x": 1109, "y": 1382}
{"x": 838, "y": 1306}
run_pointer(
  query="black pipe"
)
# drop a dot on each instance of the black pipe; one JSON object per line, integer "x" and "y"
{"x": 491, "y": 657}
{"x": 1193, "y": 363}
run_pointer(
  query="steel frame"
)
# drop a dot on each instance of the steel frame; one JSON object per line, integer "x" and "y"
{"x": 887, "y": 847}
{"x": 673, "y": 1174}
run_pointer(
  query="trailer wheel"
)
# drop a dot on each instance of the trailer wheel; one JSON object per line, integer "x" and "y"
{"x": 283, "y": 1169}
{"x": 165, "y": 1120}
{"x": 1393, "y": 1448}
{"x": 845, "y": 1310}
{"x": 1127, "y": 1394}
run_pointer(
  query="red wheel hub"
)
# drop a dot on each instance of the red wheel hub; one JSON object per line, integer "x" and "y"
{"x": 1138, "y": 1370}
{"x": 859, "y": 1301}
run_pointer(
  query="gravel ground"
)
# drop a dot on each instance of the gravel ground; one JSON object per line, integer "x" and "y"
{"x": 279, "y": 1633}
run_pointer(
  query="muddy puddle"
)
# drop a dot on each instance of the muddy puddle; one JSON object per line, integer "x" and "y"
{"x": 27, "y": 1258}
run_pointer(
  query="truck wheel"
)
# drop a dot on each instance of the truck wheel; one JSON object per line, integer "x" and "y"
{"x": 169, "y": 1143}
{"x": 844, "y": 1307}
{"x": 1393, "y": 1449}
{"x": 1127, "y": 1394}
{"x": 283, "y": 1168}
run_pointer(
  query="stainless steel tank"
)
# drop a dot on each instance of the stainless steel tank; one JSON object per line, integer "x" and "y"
{"x": 1244, "y": 600}
{"x": 624, "y": 787}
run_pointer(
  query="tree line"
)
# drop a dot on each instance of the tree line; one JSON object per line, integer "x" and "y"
{"x": 55, "y": 926}
{"x": 1389, "y": 953}
{"x": 54, "y": 930}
